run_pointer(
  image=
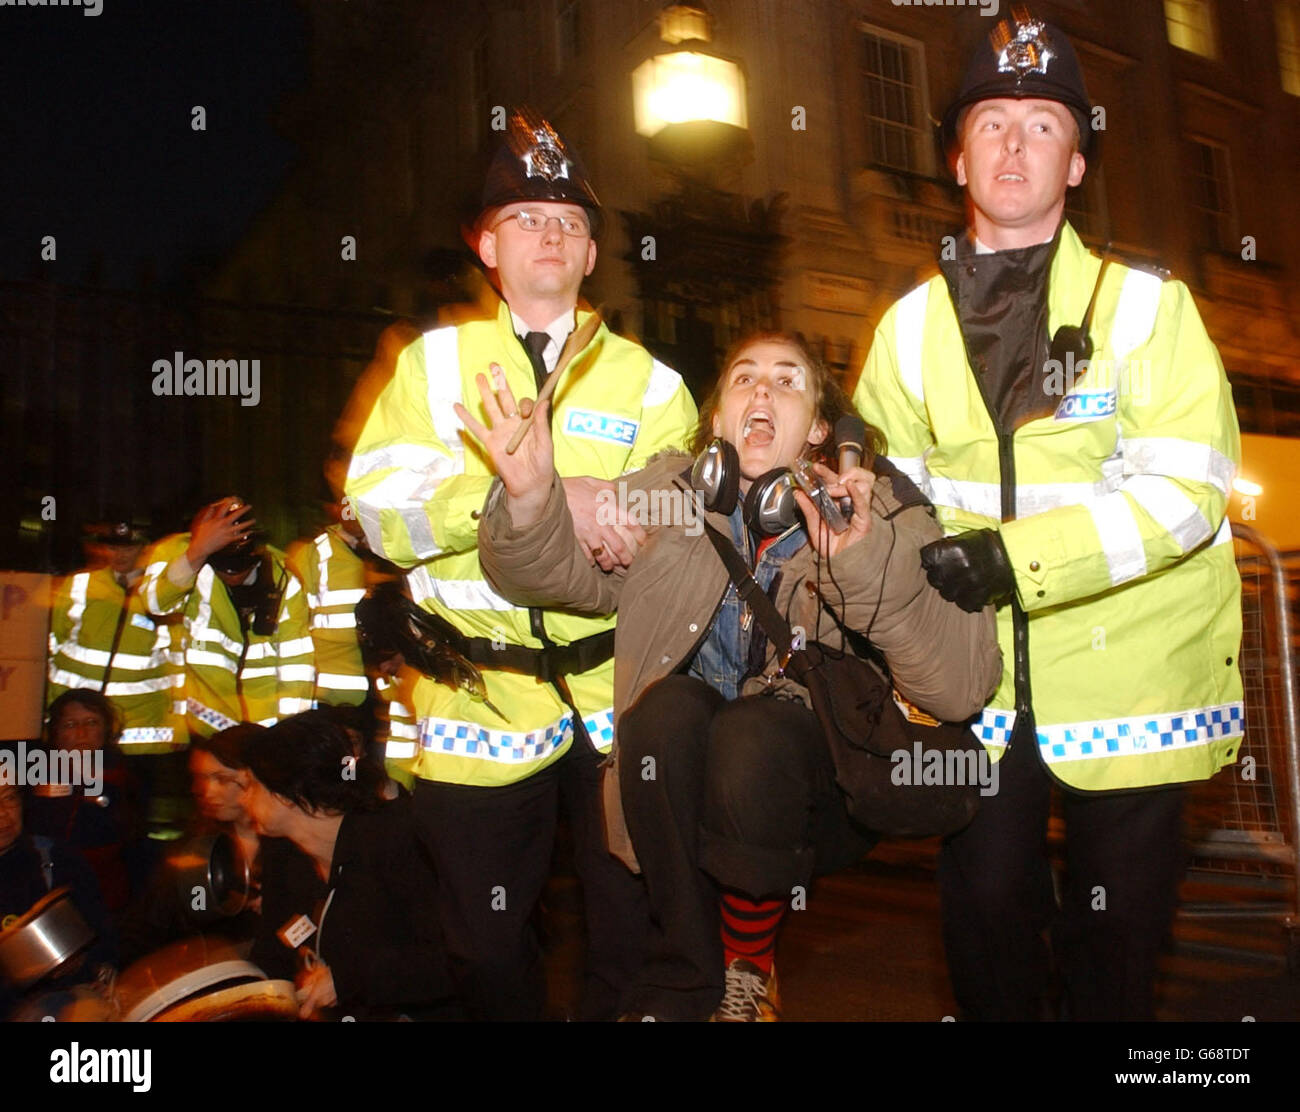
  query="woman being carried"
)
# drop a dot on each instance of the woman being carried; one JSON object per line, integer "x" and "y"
{"x": 724, "y": 778}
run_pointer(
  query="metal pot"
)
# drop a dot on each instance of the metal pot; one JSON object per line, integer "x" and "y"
{"x": 46, "y": 938}
{"x": 209, "y": 870}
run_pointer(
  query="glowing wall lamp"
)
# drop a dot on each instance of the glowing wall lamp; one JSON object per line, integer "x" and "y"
{"x": 689, "y": 103}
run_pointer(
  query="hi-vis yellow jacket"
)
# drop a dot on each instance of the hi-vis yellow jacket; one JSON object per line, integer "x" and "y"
{"x": 143, "y": 679}
{"x": 1122, "y": 555}
{"x": 418, "y": 487}
{"x": 231, "y": 675}
{"x": 334, "y": 577}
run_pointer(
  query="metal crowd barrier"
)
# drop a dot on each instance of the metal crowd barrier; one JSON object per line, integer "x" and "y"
{"x": 1246, "y": 821}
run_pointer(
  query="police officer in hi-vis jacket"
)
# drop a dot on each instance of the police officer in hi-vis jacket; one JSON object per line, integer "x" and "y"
{"x": 1071, "y": 421}
{"x": 524, "y": 723}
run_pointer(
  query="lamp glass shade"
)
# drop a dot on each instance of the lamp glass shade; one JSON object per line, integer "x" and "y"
{"x": 685, "y": 87}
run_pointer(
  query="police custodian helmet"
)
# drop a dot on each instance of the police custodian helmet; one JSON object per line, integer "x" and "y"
{"x": 534, "y": 163}
{"x": 1024, "y": 58}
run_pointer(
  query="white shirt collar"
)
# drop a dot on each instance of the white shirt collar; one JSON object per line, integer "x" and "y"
{"x": 982, "y": 248}
{"x": 558, "y": 330}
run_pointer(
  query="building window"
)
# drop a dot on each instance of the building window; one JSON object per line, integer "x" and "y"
{"x": 1211, "y": 185}
{"x": 893, "y": 76}
{"x": 568, "y": 33}
{"x": 1288, "y": 43}
{"x": 1190, "y": 24}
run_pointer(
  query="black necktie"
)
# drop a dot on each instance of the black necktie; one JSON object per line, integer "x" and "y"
{"x": 534, "y": 344}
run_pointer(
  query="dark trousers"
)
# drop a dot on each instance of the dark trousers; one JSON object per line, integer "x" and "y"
{"x": 1124, "y": 858}
{"x": 739, "y": 794}
{"x": 492, "y": 848}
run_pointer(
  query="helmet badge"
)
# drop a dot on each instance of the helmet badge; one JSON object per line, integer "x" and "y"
{"x": 1025, "y": 52}
{"x": 545, "y": 159}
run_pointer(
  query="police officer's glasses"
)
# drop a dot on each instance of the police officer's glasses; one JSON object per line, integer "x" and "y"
{"x": 534, "y": 222}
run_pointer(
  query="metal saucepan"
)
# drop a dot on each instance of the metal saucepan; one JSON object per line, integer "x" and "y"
{"x": 210, "y": 875}
{"x": 48, "y": 936}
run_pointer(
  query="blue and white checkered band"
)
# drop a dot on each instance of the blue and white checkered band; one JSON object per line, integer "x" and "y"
{"x": 1028, "y": 52}
{"x": 545, "y": 159}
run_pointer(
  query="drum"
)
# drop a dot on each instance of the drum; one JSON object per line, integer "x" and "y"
{"x": 202, "y": 980}
{"x": 50, "y": 935}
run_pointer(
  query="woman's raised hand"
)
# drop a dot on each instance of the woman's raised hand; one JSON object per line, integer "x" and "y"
{"x": 856, "y": 483}
{"x": 529, "y": 471}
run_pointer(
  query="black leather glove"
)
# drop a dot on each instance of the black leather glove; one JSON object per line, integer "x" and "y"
{"x": 970, "y": 569}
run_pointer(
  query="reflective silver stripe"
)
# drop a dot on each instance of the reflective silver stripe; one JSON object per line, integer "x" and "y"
{"x": 334, "y": 621}
{"x": 419, "y": 468}
{"x": 322, "y": 564}
{"x": 1179, "y": 459}
{"x": 77, "y": 592}
{"x": 399, "y": 750}
{"x": 1224, "y": 535}
{"x": 909, "y": 339}
{"x": 1031, "y": 498}
{"x": 1175, "y": 513}
{"x": 349, "y": 596}
{"x": 153, "y": 575}
{"x": 915, "y": 469}
{"x": 664, "y": 383}
{"x": 290, "y": 705}
{"x": 455, "y": 594}
{"x": 1121, "y": 541}
{"x": 1037, "y": 498}
{"x": 405, "y": 493}
{"x": 340, "y": 681}
{"x": 212, "y": 660}
{"x": 963, "y": 494}
{"x": 64, "y": 678}
{"x": 442, "y": 378}
{"x": 1135, "y": 315}
{"x": 137, "y": 687}
{"x": 398, "y": 457}
{"x": 259, "y": 673}
{"x": 297, "y": 647}
{"x": 296, "y": 673}
{"x": 1145, "y": 733}
{"x": 98, "y": 658}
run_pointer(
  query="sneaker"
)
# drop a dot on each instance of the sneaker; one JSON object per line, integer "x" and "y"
{"x": 750, "y": 995}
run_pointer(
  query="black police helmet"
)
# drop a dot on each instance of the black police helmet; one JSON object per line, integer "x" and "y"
{"x": 1024, "y": 58}
{"x": 534, "y": 163}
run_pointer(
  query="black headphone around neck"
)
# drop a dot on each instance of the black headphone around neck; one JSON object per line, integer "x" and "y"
{"x": 769, "y": 507}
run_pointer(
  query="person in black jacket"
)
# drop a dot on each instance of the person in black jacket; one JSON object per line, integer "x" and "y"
{"x": 348, "y": 907}
{"x": 31, "y": 866}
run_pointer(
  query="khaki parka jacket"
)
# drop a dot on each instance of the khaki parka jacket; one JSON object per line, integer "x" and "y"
{"x": 943, "y": 659}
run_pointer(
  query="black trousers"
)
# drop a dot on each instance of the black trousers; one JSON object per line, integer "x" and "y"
{"x": 1124, "y": 858}
{"x": 739, "y": 794}
{"x": 492, "y": 848}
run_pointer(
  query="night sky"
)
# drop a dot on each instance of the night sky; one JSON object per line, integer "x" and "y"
{"x": 96, "y": 142}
